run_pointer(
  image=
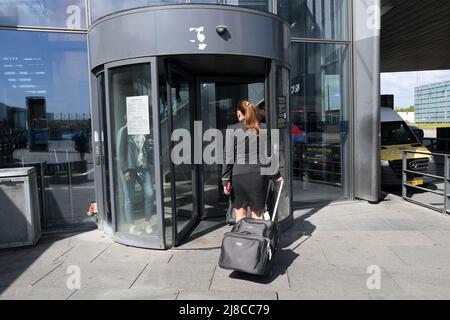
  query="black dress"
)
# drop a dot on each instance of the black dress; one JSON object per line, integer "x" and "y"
{"x": 245, "y": 169}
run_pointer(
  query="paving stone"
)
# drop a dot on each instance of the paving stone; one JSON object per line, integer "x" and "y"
{"x": 424, "y": 257}
{"x": 33, "y": 293}
{"x": 92, "y": 236}
{"x": 124, "y": 294}
{"x": 176, "y": 277}
{"x": 330, "y": 282}
{"x": 25, "y": 273}
{"x": 440, "y": 237}
{"x": 423, "y": 283}
{"x": 228, "y": 295}
{"x": 418, "y": 224}
{"x": 377, "y": 238}
{"x": 321, "y": 293}
{"x": 195, "y": 257}
{"x": 368, "y": 224}
{"x": 235, "y": 281}
{"x": 83, "y": 253}
{"x": 117, "y": 253}
{"x": 361, "y": 255}
{"x": 101, "y": 275}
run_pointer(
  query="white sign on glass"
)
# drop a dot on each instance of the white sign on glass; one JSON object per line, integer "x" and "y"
{"x": 138, "y": 115}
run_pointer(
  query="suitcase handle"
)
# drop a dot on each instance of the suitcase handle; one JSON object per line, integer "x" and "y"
{"x": 275, "y": 210}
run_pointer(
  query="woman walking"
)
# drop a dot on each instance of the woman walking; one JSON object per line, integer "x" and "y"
{"x": 242, "y": 175}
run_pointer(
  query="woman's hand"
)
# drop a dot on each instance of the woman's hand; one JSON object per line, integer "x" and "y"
{"x": 280, "y": 180}
{"x": 226, "y": 191}
{"x": 127, "y": 176}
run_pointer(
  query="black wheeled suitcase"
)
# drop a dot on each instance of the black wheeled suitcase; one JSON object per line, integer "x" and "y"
{"x": 251, "y": 245}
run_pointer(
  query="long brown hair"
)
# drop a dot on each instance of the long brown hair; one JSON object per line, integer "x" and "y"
{"x": 248, "y": 110}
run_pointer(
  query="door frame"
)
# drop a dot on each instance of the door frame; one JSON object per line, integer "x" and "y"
{"x": 171, "y": 69}
{"x": 222, "y": 79}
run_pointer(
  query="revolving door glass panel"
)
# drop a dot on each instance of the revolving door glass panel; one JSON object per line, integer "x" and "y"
{"x": 132, "y": 150}
{"x": 183, "y": 173}
{"x": 218, "y": 101}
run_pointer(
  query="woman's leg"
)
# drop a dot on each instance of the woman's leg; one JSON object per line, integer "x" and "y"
{"x": 128, "y": 191}
{"x": 241, "y": 214}
{"x": 257, "y": 214}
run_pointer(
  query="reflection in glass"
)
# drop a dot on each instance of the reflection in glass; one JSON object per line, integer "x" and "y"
{"x": 70, "y": 14}
{"x": 316, "y": 18}
{"x": 262, "y": 5}
{"x": 183, "y": 173}
{"x": 218, "y": 109}
{"x": 132, "y": 150}
{"x": 101, "y": 8}
{"x": 45, "y": 119}
{"x": 282, "y": 124}
{"x": 319, "y": 90}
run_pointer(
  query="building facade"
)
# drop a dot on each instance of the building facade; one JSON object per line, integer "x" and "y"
{"x": 432, "y": 103}
{"x": 48, "y": 117}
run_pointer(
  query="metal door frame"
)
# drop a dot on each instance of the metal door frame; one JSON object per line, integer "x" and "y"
{"x": 173, "y": 68}
{"x": 222, "y": 79}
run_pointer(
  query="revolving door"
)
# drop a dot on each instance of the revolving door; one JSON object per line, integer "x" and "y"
{"x": 153, "y": 119}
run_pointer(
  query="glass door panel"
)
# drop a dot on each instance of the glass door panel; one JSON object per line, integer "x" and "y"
{"x": 132, "y": 150}
{"x": 218, "y": 111}
{"x": 183, "y": 177}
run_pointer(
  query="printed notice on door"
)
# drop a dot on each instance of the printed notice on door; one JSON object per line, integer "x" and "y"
{"x": 138, "y": 115}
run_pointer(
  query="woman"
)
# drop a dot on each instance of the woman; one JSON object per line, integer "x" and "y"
{"x": 242, "y": 175}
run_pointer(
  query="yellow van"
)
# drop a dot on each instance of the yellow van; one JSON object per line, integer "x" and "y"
{"x": 396, "y": 137}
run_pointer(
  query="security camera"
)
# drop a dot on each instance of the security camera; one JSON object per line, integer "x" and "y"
{"x": 221, "y": 30}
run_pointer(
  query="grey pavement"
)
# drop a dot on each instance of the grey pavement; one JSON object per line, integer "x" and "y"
{"x": 325, "y": 255}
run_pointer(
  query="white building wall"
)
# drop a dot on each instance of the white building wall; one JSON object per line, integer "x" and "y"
{"x": 409, "y": 117}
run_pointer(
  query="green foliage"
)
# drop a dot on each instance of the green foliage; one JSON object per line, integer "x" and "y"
{"x": 410, "y": 109}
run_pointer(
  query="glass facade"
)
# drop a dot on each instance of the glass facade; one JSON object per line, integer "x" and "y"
{"x": 432, "y": 103}
{"x": 320, "y": 121}
{"x": 45, "y": 114}
{"x": 66, "y": 14}
{"x": 101, "y": 8}
{"x": 320, "y": 19}
{"x": 45, "y": 118}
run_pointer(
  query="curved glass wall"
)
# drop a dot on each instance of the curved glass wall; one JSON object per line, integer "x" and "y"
{"x": 132, "y": 150}
{"x": 67, "y": 14}
{"x": 101, "y": 8}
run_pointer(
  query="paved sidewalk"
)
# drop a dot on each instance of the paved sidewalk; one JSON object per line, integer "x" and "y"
{"x": 325, "y": 255}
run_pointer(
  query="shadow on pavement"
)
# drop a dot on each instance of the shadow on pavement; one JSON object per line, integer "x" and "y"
{"x": 15, "y": 262}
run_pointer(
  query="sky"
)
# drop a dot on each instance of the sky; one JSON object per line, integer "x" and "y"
{"x": 402, "y": 84}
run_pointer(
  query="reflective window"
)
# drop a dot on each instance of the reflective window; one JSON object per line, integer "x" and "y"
{"x": 132, "y": 150}
{"x": 70, "y": 14}
{"x": 263, "y": 5}
{"x": 325, "y": 19}
{"x": 282, "y": 121}
{"x": 320, "y": 127}
{"x": 45, "y": 118}
{"x": 101, "y": 8}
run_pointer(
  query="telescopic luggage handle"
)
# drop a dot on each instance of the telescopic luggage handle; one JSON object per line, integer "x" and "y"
{"x": 275, "y": 210}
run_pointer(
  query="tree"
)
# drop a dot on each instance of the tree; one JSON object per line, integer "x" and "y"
{"x": 410, "y": 109}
